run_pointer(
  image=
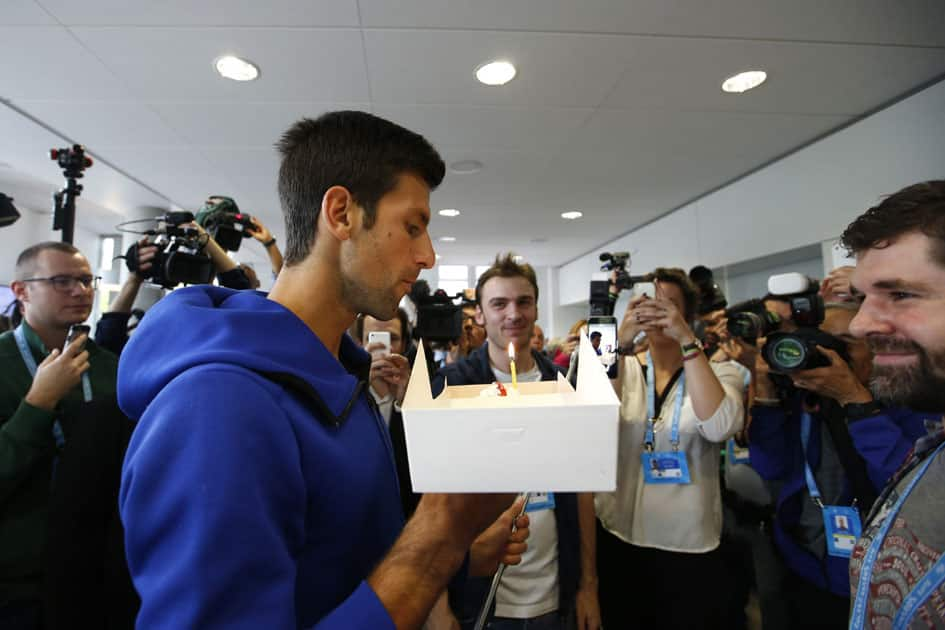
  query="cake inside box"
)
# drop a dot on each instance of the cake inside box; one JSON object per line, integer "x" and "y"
{"x": 538, "y": 394}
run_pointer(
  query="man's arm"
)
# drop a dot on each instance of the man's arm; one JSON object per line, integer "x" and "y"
{"x": 262, "y": 234}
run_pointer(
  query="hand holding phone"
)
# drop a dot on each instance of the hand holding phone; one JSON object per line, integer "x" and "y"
{"x": 75, "y": 331}
{"x": 377, "y": 339}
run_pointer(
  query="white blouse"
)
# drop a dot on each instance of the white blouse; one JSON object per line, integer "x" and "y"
{"x": 673, "y": 517}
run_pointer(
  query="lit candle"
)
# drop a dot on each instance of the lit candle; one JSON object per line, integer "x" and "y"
{"x": 512, "y": 364}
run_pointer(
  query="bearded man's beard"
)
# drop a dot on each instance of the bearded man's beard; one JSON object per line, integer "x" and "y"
{"x": 920, "y": 386}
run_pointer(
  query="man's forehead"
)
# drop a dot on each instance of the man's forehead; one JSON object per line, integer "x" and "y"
{"x": 54, "y": 261}
{"x": 902, "y": 263}
{"x": 507, "y": 288}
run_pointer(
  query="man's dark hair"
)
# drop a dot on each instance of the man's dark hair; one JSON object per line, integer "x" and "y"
{"x": 916, "y": 208}
{"x": 595, "y": 335}
{"x": 404, "y": 327}
{"x": 506, "y": 267}
{"x": 357, "y": 150}
{"x": 26, "y": 261}
{"x": 675, "y": 275}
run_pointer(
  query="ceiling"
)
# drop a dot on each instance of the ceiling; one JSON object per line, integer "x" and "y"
{"x": 616, "y": 110}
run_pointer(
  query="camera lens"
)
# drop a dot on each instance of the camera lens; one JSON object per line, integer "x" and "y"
{"x": 787, "y": 353}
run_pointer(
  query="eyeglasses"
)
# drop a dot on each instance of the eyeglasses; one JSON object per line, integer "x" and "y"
{"x": 65, "y": 284}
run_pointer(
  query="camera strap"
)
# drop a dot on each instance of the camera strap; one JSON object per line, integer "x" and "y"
{"x": 928, "y": 584}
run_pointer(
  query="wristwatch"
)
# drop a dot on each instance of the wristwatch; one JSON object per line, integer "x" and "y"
{"x": 270, "y": 242}
{"x": 692, "y": 345}
{"x": 858, "y": 411}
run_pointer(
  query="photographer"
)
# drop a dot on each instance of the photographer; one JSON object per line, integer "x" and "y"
{"x": 828, "y": 445}
{"x": 659, "y": 531}
{"x": 111, "y": 331}
{"x": 229, "y": 274}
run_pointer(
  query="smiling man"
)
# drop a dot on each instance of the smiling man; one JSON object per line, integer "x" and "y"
{"x": 897, "y": 572}
{"x": 259, "y": 489}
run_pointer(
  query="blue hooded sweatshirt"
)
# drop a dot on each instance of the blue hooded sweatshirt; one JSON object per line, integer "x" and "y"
{"x": 259, "y": 488}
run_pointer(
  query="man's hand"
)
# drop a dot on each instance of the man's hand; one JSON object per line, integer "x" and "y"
{"x": 260, "y": 232}
{"x": 499, "y": 544}
{"x": 58, "y": 373}
{"x": 146, "y": 254}
{"x": 836, "y": 380}
{"x": 836, "y": 286}
{"x": 740, "y": 351}
{"x": 390, "y": 373}
{"x": 588, "y": 606}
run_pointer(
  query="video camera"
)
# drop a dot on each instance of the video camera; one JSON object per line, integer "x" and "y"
{"x": 601, "y": 299}
{"x": 439, "y": 318}
{"x": 750, "y": 320}
{"x": 787, "y": 352}
{"x": 224, "y": 222}
{"x": 73, "y": 161}
{"x": 179, "y": 258}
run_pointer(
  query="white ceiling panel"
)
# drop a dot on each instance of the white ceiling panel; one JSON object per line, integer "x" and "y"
{"x": 240, "y": 124}
{"x": 438, "y": 67}
{"x": 514, "y": 128}
{"x": 106, "y": 124}
{"x": 24, "y": 13}
{"x": 176, "y": 64}
{"x": 907, "y": 22}
{"x": 802, "y": 78}
{"x": 189, "y": 13}
{"x": 48, "y": 63}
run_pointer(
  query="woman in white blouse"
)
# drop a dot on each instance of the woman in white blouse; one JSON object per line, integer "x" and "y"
{"x": 658, "y": 533}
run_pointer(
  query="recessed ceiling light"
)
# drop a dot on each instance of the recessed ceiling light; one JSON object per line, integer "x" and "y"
{"x": 540, "y": 239}
{"x": 447, "y": 239}
{"x": 518, "y": 259}
{"x": 231, "y": 67}
{"x": 495, "y": 73}
{"x": 449, "y": 212}
{"x": 466, "y": 166}
{"x": 744, "y": 81}
{"x": 571, "y": 216}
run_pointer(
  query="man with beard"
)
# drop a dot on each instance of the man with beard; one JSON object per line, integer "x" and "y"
{"x": 897, "y": 572}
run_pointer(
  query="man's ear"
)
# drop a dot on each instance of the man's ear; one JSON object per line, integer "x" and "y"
{"x": 480, "y": 317}
{"x": 339, "y": 213}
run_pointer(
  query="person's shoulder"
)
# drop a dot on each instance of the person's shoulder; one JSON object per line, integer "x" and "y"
{"x": 8, "y": 345}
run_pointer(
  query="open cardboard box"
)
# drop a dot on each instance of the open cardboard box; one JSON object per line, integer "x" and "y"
{"x": 550, "y": 437}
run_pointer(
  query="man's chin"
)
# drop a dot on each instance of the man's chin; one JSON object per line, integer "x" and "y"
{"x": 910, "y": 387}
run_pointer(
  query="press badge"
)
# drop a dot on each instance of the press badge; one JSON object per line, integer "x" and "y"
{"x": 842, "y": 527}
{"x": 737, "y": 454}
{"x": 540, "y": 501}
{"x": 665, "y": 467}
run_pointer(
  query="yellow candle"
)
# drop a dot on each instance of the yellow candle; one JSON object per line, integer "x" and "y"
{"x": 512, "y": 364}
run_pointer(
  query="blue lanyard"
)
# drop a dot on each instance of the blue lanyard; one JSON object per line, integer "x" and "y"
{"x": 650, "y": 438}
{"x": 808, "y": 475}
{"x": 929, "y": 582}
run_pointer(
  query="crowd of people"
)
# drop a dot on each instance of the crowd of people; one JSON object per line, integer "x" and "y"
{"x": 241, "y": 460}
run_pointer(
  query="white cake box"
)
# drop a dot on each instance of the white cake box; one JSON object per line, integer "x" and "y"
{"x": 550, "y": 437}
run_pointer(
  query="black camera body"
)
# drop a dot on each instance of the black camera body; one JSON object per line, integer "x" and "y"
{"x": 750, "y": 320}
{"x": 439, "y": 318}
{"x": 601, "y": 300}
{"x": 787, "y": 352}
{"x": 179, "y": 258}
{"x": 229, "y": 229}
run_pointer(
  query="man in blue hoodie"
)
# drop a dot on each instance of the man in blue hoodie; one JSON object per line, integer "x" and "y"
{"x": 259, "y": 489}
{"x": 543, "y": 591}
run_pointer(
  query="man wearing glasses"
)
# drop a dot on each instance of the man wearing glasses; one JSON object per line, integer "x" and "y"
{"x": 44, "y": 384}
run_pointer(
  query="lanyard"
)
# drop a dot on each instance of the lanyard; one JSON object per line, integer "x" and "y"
{"x": 928, "y": 583}
{"x": 31, "y": 362}
{"x": 808, "y": 475}
{"x": 650, "y": 438}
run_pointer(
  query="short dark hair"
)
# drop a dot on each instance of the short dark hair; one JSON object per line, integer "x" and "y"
{"x": 506, "y": 267}
{"x": 404, "y": 326}
{"x": 362, "y": 152}
{"x": 916, "y": 208}
{"x": 596, "y": 335}
{"x": 677, "y": 276}
{"x": 27, "y": 258}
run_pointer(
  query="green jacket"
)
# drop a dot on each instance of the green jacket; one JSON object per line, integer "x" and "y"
{"x": 27, "y": 451}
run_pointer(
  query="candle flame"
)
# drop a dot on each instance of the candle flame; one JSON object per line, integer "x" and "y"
{"x": 512, "y": 350}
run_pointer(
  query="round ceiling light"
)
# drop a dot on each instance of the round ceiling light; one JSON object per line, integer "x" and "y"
{"x": 447, "y": 239}
{"x": 449, "y": 212}
{"x": 466, "y": 166}
{"x": 744, "y": 81}
{"x": 571, "y": 216}
{"x": 237, "y": 69}
{"x": 495, "y": 73}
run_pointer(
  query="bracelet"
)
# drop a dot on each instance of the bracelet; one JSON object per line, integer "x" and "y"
{"x": 692, "y": 354}
{"x": 766, "y": 402}
{"x": 270, "y": 242}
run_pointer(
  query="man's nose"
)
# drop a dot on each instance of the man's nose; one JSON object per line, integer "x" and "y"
{"x": 870, "y": 320}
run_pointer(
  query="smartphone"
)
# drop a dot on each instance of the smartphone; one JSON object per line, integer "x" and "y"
{"x": 602, "y": 331}
{"x": 380, "y": 337}
{"x": 644, "y": 288}
{"x": 74, "y": 331}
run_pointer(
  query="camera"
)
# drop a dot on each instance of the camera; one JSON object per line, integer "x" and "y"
{"x": 179, "y": 258}
{"x": 224, "y": 222}
{"x": 73, "y": 161}
{"x": 787, "y": 352}
{"x": 601, "y": 299}
{"x": 439, "y": 318}
{"x": 750, "y": 319}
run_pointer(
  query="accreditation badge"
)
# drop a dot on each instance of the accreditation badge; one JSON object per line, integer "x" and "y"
{"x": 842, "y": 527}
{"x": 664, "y": 467}
{"x": 737, "y": 454}
{"x": 540, "y": 501}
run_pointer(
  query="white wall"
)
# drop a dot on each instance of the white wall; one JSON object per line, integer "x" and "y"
{"x": 807, "y": 197}
{"x": 32, "y": 228}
